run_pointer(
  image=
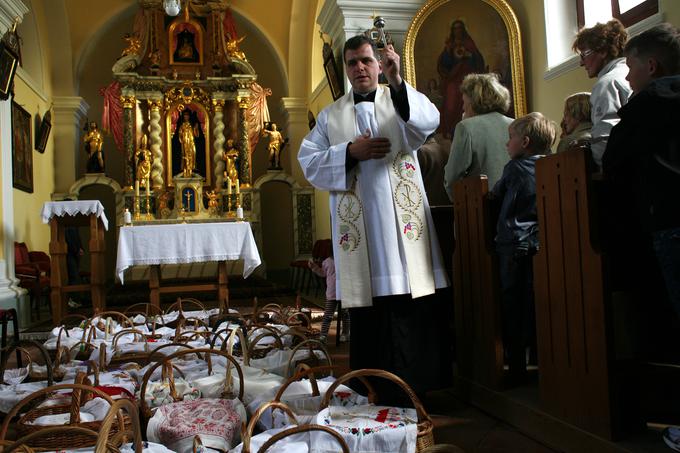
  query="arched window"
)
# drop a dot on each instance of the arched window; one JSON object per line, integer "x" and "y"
{"x": 629, "y": 12}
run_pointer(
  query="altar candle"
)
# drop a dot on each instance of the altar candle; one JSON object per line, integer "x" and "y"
{"x": 127, "y": 217}
{"x": 238, "y": 191}
{"x": 137, "y": 189}
{"x": 228, "y": 186}
{"x": 148, "y": 188}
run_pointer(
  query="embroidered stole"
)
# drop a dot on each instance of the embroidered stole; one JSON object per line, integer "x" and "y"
{"x": 345, "y": 122}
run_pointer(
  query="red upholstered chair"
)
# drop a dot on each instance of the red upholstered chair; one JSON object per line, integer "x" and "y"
{"x": 33, "y": 271}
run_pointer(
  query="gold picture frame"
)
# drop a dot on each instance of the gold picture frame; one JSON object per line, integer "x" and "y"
{"x": 450, "y": 38}
{"x": 185, "y": 42}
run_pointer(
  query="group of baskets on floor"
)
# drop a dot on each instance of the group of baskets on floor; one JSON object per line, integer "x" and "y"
{"x": 197, "y": 380}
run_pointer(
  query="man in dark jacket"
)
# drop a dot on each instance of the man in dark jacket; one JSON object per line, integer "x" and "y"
{"x": 642, "y": 158}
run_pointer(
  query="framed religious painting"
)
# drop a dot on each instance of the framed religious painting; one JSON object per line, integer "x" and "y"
{"x": 22, "y": 149}
{"x": 43, "y": 132}
{"x": 333, "y": 76}
{"x": 185, "y": 38}
{"x": 8, "y": 67}
{"x": 449, "y": 39}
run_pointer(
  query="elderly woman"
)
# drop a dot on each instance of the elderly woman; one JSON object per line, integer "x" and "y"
{"x": 478, "y": 146}
{"x": 601, "y": 50}
{"x": 576, "y": 123}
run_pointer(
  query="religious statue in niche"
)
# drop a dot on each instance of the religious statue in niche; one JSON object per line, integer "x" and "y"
{"x": 230, "y": 157}
{"x": 94, "y": 141}
{"x": 188, "y": 143}
{"x": 143, "y": 162}
{"x": 276, "y": 145}
{"x": 213, "y": 202}
{"x": 185, "y": 43}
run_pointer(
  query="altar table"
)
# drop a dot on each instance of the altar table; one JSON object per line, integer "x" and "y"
{"x": 154, "y": 245}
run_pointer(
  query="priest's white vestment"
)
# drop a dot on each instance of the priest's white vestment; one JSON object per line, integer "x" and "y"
{"x": 324, "y": 166}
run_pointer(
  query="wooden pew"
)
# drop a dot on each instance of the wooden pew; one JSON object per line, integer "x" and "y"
{"x": 479, "y": 346}
{"x": 573, "y": 303}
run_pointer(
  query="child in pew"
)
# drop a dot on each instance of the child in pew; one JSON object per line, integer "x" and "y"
{"x": 531, "y": 137}
{"x": 327, "y": 270}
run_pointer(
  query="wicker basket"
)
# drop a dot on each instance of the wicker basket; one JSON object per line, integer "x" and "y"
{"x": 248, "y": 433}
{"x": 168, "y": 374}
{"x": 425, "y": 436}
{"x": 20, "y": 348}
{"x": 59, "y": 440}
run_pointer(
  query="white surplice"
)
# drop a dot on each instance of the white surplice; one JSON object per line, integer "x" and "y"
{"x": 323, "y": 164}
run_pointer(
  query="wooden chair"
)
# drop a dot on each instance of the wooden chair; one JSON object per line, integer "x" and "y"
{"x": 33, "y": 271}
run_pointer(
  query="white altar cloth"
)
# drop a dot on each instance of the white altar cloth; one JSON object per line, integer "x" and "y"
{"x": 71, "y": 208}
{"x": 187, "y": 243}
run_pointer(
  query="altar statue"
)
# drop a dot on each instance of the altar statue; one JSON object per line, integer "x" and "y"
{"x": 93, "y": 146}
{"x": 232, "y": 48}
{"x": 143, "y": 162}
{"x": 134, "y": 45}
{"x": 187, "y": 132}
{"x": 230, "y": 156}
{"x": 276, "y": 143}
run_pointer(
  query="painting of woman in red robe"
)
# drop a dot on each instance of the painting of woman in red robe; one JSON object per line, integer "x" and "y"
{"x": 459, "y": 58}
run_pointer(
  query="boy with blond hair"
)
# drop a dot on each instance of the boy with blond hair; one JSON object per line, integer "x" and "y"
{"x": 531, "y": 137}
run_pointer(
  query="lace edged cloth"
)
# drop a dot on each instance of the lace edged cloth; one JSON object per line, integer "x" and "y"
{"x": 73, "y": 208}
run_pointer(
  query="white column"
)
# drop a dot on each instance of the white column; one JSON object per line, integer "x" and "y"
{"x": 68, "y": 115}
{"x": 11, "y": 295}
{"x": 295, "y": 128}
{"x": 342, "y": 19}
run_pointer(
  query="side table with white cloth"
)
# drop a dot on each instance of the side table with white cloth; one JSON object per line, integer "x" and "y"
{"x": 63, "y": 214}
{"x": 154, "y": 245}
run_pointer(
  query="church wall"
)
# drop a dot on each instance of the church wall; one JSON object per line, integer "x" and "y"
{"x": 546, "y": 96}
{"x": 32, "y": 90}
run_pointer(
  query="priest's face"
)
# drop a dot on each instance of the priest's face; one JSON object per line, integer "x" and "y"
{"x": 362, "y": 69}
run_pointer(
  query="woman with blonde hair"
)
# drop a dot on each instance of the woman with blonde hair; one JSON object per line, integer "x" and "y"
{"x": 601, "y": 50}
{"x": 576, "y": 123}
{"x": 478, "y": 146}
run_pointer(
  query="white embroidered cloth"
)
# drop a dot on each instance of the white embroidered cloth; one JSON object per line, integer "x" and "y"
{"x": 187, "y": 243}
{"x": 84, "y": 207}
{"x": 368, "y": 429}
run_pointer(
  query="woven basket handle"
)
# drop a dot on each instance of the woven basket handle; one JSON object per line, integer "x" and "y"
{"x": 20, "y": 350}
{"x": 300, "y": 429}
{"x": 312, "y": 344}
{"x": 228, "y": 346}
{"x": 303, "y": 370}
{"x": 113, "y": 415}
{"x": 248, "y": 433}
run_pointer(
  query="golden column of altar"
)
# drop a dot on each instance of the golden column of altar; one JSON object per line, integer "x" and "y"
{"x": 245, "y": 171}
{"x": 155, "y": 129}
{"x": 129, "y": 145}
{"x": 218, "y": 142}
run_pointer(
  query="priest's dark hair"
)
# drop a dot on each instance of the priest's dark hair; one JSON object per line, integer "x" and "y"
{"x": 356, "y": 42}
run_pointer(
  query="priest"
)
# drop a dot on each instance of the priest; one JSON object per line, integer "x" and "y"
{"x": 389, "y": 267}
